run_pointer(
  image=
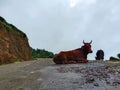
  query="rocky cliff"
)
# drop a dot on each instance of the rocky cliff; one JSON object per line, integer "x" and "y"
{"x": 13, "y": 43}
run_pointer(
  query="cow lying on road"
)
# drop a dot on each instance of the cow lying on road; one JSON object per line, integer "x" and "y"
{"x": 74, "y": 56}
{"x": 99, "y": 55}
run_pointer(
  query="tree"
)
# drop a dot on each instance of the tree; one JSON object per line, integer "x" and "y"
{"x": 118, "y": 55}
{"x": 41, "y": 53}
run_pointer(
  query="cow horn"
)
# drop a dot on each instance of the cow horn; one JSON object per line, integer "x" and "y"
{"x": 83, "y": 42}
{"x": 90, "y": 41}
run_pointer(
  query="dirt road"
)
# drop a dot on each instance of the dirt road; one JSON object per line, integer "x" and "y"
{"x": 22, "y": 75}
{"x": 43, "y": 74}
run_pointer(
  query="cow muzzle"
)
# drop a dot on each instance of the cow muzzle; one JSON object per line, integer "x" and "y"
{"x": 91, "y": 51}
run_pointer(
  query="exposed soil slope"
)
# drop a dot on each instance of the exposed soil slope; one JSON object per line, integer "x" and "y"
{"x": 13, "y": 43}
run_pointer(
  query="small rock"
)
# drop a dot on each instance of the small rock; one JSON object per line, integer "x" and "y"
{"x": 115, "y": 83}
{"x": 90, "y": 80}
{"x": 20, "y": 89}
{"x": 96, "y": 84}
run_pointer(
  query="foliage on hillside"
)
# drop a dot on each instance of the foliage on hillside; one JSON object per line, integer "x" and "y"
{"x": 41, "y": 53}
{"x": 11, "y": 27}
{"x": 115, "y": 58}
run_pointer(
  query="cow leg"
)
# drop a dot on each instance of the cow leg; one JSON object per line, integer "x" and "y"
{"x": 71, "y": 62}
{"x": 64, "y": 62}
{"x": 82, "y": 61}
{"x": 64, "y": 59}
{"x": 85, "y": 61}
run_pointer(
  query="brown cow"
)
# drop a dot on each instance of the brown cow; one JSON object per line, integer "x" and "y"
{"x": 74, "y": 56}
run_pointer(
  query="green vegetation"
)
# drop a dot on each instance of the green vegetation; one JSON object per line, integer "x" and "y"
{"x": 115, "y": 58}
{"x": 11, "y": 27}
{"x": 41, "y": 53}
{"x": 2, "y": 19}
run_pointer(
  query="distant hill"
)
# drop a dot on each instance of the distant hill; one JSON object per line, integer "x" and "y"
{"x": 41, "y": 53}
{"x": 13, "y": 43}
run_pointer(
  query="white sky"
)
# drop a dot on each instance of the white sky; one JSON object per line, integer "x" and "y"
{"x": 58, "y": 25}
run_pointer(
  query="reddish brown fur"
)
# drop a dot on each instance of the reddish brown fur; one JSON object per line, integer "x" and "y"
{"x": 74, "y": 56}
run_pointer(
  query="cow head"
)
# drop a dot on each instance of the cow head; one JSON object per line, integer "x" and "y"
{"x": 87, "y": 47}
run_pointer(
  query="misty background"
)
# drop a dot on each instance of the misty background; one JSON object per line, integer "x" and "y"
{"x": 58, "y": 25}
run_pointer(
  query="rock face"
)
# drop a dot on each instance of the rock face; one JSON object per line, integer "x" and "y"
{"x": 13, "y": 44}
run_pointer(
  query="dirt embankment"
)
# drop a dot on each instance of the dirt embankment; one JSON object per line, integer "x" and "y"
{"x": 14, "y": 44}
{"x": 43, "y": 74}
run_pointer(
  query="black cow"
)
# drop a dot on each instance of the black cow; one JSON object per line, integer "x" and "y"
{"x": 99, "y": 55}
